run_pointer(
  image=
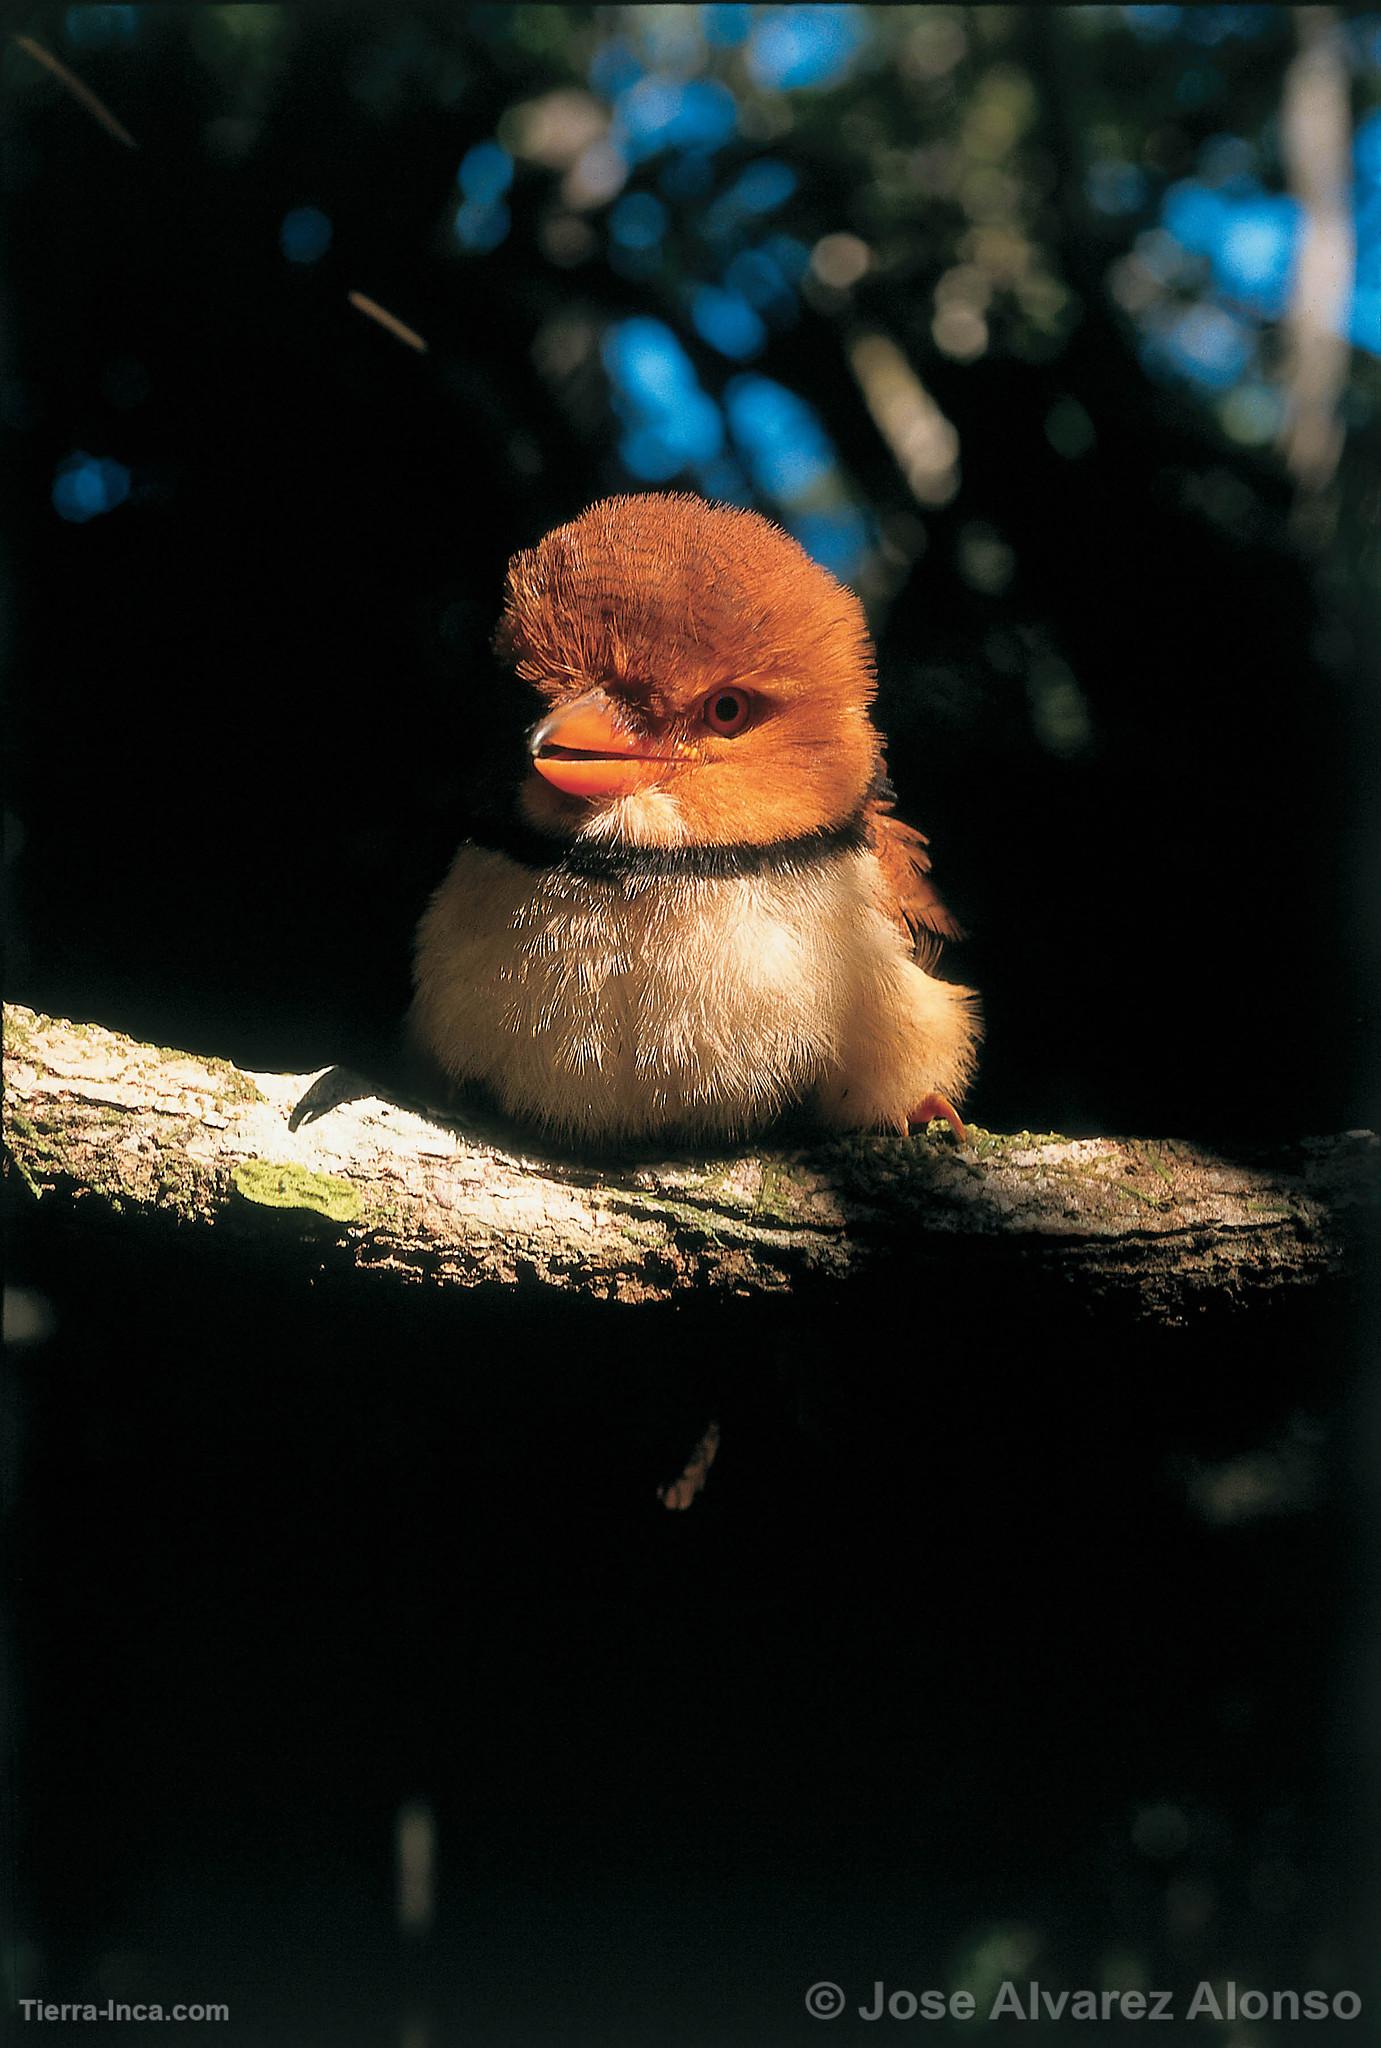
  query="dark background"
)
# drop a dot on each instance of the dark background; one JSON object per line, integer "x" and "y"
{"x": 1026, "y": 1648}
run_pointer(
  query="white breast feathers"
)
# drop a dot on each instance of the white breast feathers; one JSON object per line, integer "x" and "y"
{"x": 686, "y": 1005}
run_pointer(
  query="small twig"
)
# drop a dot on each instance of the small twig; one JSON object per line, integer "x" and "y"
{"x": 372, "y": 310}
{"x": 681, "y": 1492}
{"x": 83, "y": 94}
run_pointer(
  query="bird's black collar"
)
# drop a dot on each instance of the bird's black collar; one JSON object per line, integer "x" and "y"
{"x": 616, "y": 863}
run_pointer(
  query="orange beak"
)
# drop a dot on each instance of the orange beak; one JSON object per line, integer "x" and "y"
{"x": 584, "y": 750}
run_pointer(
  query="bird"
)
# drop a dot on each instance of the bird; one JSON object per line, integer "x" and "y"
{"x": 695, "y": 911}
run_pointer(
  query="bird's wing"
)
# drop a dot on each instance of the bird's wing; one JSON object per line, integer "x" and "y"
{"x": 902, "y": 854}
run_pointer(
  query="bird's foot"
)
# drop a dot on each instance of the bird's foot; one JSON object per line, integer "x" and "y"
{"x": 932, "y": 1106}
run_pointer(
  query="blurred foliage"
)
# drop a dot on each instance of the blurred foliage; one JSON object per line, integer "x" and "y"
{"x": 693, "y": 184}
{"x": 914, "y": 178}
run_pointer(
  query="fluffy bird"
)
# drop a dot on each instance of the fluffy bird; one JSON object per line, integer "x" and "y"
{"x": 698, "y": 911}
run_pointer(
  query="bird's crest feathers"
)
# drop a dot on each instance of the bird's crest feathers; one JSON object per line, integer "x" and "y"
{"x": 657, "y": 599}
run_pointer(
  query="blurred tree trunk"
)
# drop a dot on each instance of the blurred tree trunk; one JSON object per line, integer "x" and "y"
{"x": 1315, "y": 134}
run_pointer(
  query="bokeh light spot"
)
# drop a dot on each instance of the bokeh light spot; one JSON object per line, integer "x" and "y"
{"x": 1203, "y": 343}
{"x": 485, "y": 173}
{"x": 805, "y": 46}
{"x": 960, "y": 331}
{"x": 840, "y": 260}
{"x": 1154, "y": 23}
{"x": 727, "y": 25}
{"x": 1060, "y": 715}
{"x": 614, "y": 68}
{"x": 638, "y": 221}
{"x": 599, "y": 173}
{"x": 727, "y": 322}
{"x": 760, "y": 279}
{"x": 1248, "y": 235}
{"x": 1195, "y": 215}
{"x": 661, "y": 112}
{"x": 553, "y": 130}
{"x": 481, "y": 225}
{"x": 566, "y": 240}
{"x": 305, "y": 234}
{"x": 1252, "y": 414}
{"x": 780, "y": 436}
{"x": 670, "y": 423}
{"x": 986, "y": 562}
{"x": 763, "y": 185}
{"x": 646, "y": 360}
{"x": 1068, "y": 428}
{"x": 791, "y": 256}
{"x": 86, "y": 486}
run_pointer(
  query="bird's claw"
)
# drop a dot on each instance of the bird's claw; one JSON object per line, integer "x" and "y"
{"x": 932, "y": 1106}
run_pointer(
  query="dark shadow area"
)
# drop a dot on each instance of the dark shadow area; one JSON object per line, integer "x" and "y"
{"x": 982, "y": 1636}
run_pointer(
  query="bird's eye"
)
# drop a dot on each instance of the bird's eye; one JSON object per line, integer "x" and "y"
{"x": 726, "y": 711}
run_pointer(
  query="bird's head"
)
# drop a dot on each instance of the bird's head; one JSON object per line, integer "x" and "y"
{"x": 704, "y": 680}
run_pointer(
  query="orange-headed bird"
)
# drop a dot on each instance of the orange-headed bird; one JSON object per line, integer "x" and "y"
{"x": 700, "y": 912}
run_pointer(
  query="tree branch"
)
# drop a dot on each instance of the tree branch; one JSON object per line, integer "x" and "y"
{"x": 327, "y": 1164}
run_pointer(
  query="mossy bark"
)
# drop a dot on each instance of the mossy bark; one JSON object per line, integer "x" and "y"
{"x": 1162, "y": 1226}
